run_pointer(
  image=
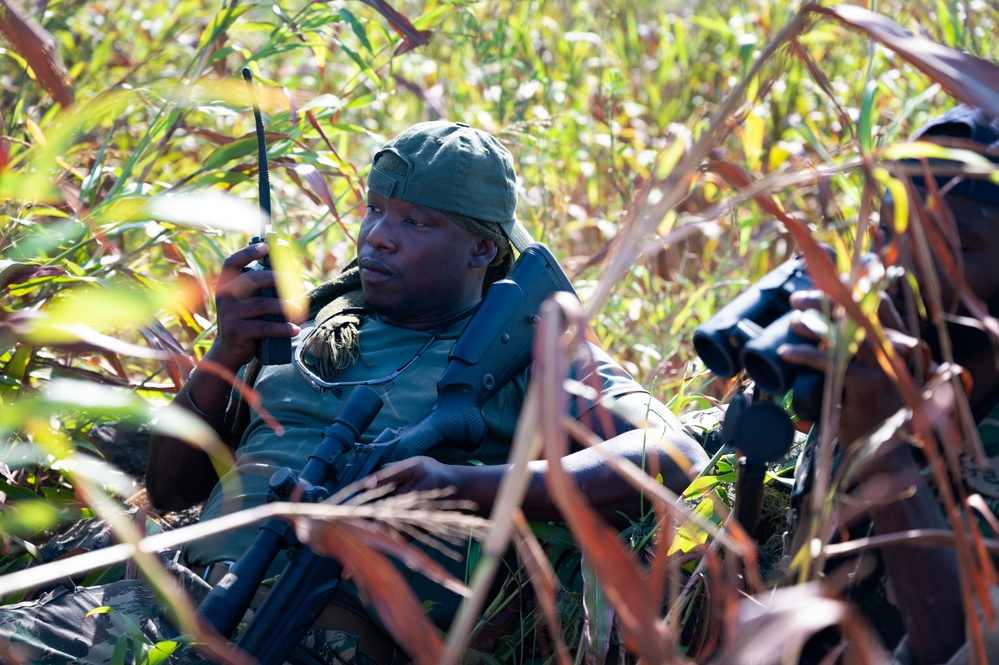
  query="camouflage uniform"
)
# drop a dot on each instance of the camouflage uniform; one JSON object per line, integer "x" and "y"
{"x": 61, "y": 628}
{"x": 57, "y": 628}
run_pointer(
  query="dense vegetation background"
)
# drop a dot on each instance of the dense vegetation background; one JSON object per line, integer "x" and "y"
{"x": 128, "y": 167}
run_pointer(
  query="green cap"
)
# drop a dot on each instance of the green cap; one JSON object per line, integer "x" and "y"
{"x": 455, "y": 168}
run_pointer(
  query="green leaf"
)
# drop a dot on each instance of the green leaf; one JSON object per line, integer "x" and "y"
{"x": 140, "y": 648}
{"x": 14, "y": 371}
{"x": 689, "y": 535}
{"x": 866, "y": 123}
{"x": 432, "y": 17}
{"x": 103, "y": 609}
{"x": 225, "y": 18}
{"x": 230, "y": 151}
{"x": 948, "y": 27}
{"x": 27, "y": 187}
{"x": 44, "y": 156}
{"x": 599, "y": 615}
{"x": 363, "y": 65}
{"x": 162, "y": 651}
{"x": 356, "y": 27}
{"x": 714, "y": 24}
{"x": 321, "y": 102}
{"x": 120, "y": 649}
{"x": 112, "y": 306}
{"x": 119, "y": 210}
{"x": 18, "y": 60}
{"x": 221, "y": 54}
{"x": 554, "y": 534}
{"x": 29, "y": 517}
{"x": 16, "y": 492}
{"x": 362, "y": 100}
{"x": 131, "y": 625}
{"x": 700, "y": 486}
{"x": 77, "y": 395}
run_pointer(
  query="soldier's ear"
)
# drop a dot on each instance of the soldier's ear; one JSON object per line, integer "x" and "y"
{"x": 483, "y": 253}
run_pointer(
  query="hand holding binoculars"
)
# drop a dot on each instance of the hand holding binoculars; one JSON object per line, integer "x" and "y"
{"x": 745, "y": 334}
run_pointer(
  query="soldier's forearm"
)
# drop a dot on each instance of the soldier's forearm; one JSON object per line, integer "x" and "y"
{"x": 926, "y": 580}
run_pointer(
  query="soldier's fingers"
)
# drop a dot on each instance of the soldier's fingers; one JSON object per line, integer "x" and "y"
{"x": 247, "y": 284}
{"x": 810, "y": 325}
{"x": 806, "y": 355}
{"x": 809, "y": 299}
{"x": 233, "y": 265}
{"x": 253, "y": 307}
{"x": 261, "y": 328}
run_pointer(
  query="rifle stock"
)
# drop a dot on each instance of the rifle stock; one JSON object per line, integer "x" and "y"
{"x": 494, "y": 348}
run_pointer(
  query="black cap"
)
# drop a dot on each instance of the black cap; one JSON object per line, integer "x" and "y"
{"x": 973, "y": 124}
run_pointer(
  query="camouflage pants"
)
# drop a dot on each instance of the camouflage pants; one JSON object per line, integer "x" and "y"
{"x": 61, "y": 627}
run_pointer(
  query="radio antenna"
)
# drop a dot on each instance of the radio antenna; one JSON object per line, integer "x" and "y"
{"x": 263, "y": 174}
{"x": 270, "y": 350}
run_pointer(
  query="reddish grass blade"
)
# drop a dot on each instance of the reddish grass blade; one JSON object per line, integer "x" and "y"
{"x": 372, "y": 534}
{"x": 769, "y": 629}
{"x": 615, "y": 567}
{"x": 821, "y": 79}
{"x": 970, "y": 79}
{"x": 314, "y": 179}
{"x": 315, "y": 125}
{"x": 412, "y": 38}
{"x": 37, "y": 47}
{"x": 385, "y": 587}
{"x": 218, "y": 138}
{"x": 940, "y": 402}
{"x": 542, "y": 579}
{"x": 18, "y": 273}
{"x": 248, "y": 394}
{"x": 180, "y": 363}
{"x": 292, "y": 105}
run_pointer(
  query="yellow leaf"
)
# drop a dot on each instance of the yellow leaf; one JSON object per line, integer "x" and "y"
{"x": 752, "y": 140}
{"x": 104, "y": 609}
{"x": 35, "y": 131}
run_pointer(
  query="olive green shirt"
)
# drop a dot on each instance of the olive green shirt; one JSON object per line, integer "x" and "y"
{"x": 305, "y": 413}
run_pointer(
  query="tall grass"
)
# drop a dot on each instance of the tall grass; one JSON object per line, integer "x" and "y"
{"x": 117, "y": 207}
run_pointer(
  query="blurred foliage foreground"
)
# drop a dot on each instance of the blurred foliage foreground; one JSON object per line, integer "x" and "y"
{"x": 669, "y": 158}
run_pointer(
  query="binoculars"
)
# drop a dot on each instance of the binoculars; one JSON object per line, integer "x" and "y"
{"x": 746, "y": 333}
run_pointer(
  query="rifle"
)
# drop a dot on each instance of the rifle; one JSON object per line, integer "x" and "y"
{"x": 494, "y": 347}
